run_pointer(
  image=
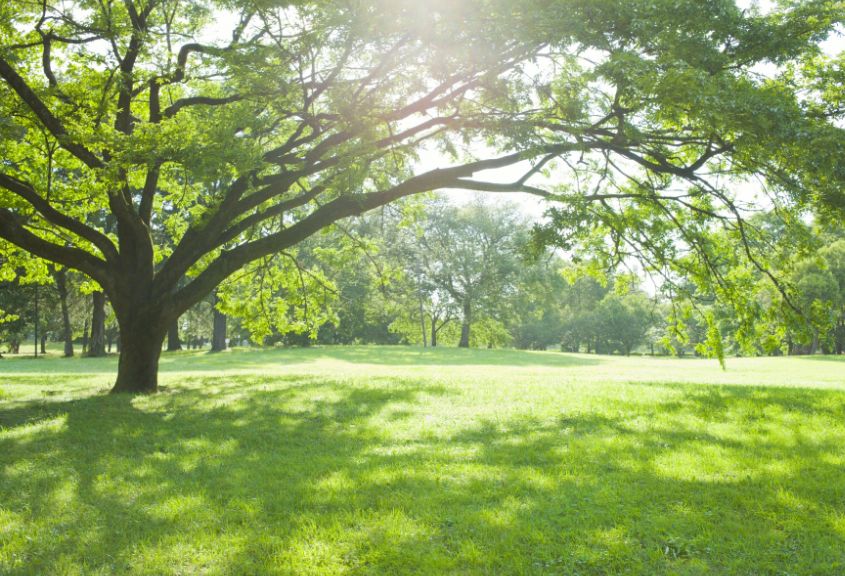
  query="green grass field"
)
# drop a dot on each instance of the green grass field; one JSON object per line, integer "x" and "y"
{"x": 404, "y": 461}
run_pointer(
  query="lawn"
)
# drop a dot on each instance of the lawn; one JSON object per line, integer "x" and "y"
{"x": 375, "y": 460}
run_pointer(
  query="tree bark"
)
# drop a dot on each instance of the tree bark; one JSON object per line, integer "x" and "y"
{"x": 140, "y": 350}
{"x": 97, "y": 340}
{"x": 60, "y": 278}
{"x": 467, "y": 320}
{"x": 433, "y": 331}
{"x": 218, "y": 334}
{"x": 422, "y": 322}
{"x": 85, "y": 338}
{"x": 174, "y": 343}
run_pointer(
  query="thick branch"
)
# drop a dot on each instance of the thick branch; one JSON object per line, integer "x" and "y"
{"x": 12, "y": 230}
{"x": 258, "y": 217}
{"x": 28, "y": 193}
{"x": 48, "y": 120}
{"x": 198, "y": 100}
{"x": 342, "y": 207}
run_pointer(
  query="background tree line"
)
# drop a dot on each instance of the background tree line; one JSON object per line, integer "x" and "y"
{"x": 434, "y": 273}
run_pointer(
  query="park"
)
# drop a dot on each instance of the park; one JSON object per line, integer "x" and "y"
{"x": 398, "y": 287}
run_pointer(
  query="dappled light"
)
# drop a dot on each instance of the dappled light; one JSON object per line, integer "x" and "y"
{"x": 295, "y": 473}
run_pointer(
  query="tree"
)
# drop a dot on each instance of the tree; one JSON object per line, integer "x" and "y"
{"x": 97, "y": 339}
{"x": 219, "y": 340}
{"x": 536, "y": 317}
{"x": 174, "y": 342}
{"x": 304, "y": 114}
{"x": 583, "y": 294}
{"x": 17, "y": 316}
{"x": 834, "y": 256}
{"x": 810, "y": 316}
{"x": 61, "y": 283}
{"x": 469, "y": 256}
{"x": 622, "y": 321}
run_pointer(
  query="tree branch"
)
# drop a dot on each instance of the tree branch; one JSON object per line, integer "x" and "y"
{"x": 47, "y": 119}
{"x": 28, "y": 193}
{"x": 12, "y": 230}
{"x": 339, "y": 208}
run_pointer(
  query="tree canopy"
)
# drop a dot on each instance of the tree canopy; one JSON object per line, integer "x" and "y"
{"x": 159, "y": 146}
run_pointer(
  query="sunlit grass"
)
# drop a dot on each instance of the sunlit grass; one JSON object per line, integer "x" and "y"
{"x": 403, "y": 461}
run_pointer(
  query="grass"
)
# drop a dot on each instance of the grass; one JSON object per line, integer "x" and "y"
{"x": 402, "y": 461}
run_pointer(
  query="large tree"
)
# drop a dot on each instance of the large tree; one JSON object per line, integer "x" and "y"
{"x": 122, "y": 119}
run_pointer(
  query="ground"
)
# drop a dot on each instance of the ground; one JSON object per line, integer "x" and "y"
{"x": 375, "y": 460}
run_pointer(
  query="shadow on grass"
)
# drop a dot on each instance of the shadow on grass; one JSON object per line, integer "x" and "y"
{"x": 294, "y": 475}
{"x": 723, "y": 403}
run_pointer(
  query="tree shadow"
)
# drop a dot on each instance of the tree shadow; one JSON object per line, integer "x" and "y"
{"x": 721, "y": 402}
{"x": 304, "y": 475}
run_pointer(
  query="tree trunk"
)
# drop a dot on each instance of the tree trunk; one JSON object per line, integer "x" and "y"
{"x": 174, "y": 343}
{"x": 43, "y": 344}
{"x": 85, "y": 338}
{"x": 60, "y": 278}
{"x": 464, "y": 343}
{"x": 422, "y": 322}
{"x": 433, "y": 331}
{"x": 37, "y": 319}
{"x": 97, "y": 341}
{"x": 140, "y": 350}
{"x": 218, "y": 335}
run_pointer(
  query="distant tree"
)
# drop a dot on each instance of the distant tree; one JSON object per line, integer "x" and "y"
{"x": 536, "y": 317}
{"x": 60, "y": 279}
{"x": 471, "y": 255}
{"x": 622, "y": 321}
{"x": 16, "y": 316}
{"x": 580, "y": 325}
{"x": 834, "y": 257}
{"x": 97, "y": 338}
{"x": 219, "y": 333}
